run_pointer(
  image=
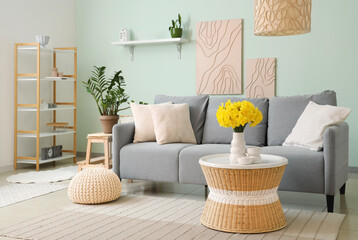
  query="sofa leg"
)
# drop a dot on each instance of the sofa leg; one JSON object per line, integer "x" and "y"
{"x": 206, "y": 191}
{"x": 330, "y": 203}
{"x": 342, "y": 190}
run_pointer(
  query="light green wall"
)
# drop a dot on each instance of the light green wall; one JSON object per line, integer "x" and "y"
{"x": 324, "y": 59}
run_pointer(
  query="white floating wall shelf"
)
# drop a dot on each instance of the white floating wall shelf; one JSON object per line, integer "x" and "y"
{"x": 131, "y": 44}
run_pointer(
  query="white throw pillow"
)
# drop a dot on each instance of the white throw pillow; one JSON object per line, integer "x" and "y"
{"x": 311, "y": 125}
{"x": 144, "y": 129}
{"x": 172, "y": 123}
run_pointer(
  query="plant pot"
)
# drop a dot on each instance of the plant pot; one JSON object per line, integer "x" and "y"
{"x": 108, "y": 122}
{"x": 176, "y": 32}
{"x": 238, "y": 148}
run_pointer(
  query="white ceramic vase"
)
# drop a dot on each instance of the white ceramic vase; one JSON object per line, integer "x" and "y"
{"x": 237, "y": 149}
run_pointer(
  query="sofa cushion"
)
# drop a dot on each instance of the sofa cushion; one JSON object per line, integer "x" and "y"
{"x": 151, "y": 161}
{"x": 284, "y": 112}
{"x": 172, "y": 123}
{"x": 144, "y": 128}
{"x": 214, "y": 133}
{"x": 313, "y": 122}
{"x": 304, "y": 171}
{"x": 189, "y": 167}
{"x": 197, "y": 109}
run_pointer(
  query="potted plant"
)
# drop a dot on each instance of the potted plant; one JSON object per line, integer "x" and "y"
{"x": 109, "y": 96}
{"x": 175, "y": 29}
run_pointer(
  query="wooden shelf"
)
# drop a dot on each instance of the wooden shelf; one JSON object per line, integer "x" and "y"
{"x": 46, "y": 134}
{"x": 36, "y": 79}
{"x": 64, "y": 156}
{"x": 48, "y": 79}
{"x": 132, "y": 44}
{"x": 58, "y": 124}
{"x": 32, "y": 109}
{"x": 45, "y": 49}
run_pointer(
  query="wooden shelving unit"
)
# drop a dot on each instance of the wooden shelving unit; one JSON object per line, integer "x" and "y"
{"x": 58, "y": 128}
{"x": 131, "y": 44}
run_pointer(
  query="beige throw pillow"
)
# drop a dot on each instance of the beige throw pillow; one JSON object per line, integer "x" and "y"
{"x": 315, "y": 119}
{"x": 172, "y": 123}
{"x": 144, "y": 129}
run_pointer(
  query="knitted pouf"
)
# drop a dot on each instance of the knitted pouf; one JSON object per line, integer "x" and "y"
{"x": 94, "y": 185}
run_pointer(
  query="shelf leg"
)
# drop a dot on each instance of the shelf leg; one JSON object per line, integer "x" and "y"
{"x": 179, "y": 50}
{"x": 131, "y": 52}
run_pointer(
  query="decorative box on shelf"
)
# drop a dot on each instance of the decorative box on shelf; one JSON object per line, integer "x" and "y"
{"x": 51, "y": 152}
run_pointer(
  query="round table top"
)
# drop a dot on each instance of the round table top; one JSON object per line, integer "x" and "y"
{"x": 223, "y": 161}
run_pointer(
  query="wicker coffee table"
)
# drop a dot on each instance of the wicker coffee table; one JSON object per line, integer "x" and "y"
{"x": 243, "y": 198}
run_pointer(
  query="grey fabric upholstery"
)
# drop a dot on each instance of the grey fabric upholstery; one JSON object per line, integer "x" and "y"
{"x": 307, "y": 171}
{"x": 325, "y": 98}
{"x": 214, "y": 133}
{"x": 304, "y": 171}
{"x": 197, "y": 109}
{"x": 189, "y": 167}
{"x": 336, "y": 156}
{"x": 123, "y": 134}
{"x": 151, "y": 161}
{"x": 284, "y": 112}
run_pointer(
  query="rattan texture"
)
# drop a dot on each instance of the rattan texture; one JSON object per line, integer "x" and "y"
{"x": 249, "y": 217}
{"x": 94, "y": 186}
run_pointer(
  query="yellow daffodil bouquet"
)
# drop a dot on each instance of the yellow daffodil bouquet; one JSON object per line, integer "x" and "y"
{"x": 238, "y": 114}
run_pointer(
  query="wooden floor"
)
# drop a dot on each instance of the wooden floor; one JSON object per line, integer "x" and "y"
{"x": 347, "y": 204}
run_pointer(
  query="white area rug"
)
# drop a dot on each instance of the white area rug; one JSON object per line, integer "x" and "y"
{"x": 150, "y": 217}
{"x": 14, "y": 193}
{"x": 38, "y": 183}
{"x": 49, "y": 176}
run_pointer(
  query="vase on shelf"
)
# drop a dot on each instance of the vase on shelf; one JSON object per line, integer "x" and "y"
{"x": 238, "y": 148}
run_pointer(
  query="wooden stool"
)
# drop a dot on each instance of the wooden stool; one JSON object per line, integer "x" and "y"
{"x": 103, "y": 161}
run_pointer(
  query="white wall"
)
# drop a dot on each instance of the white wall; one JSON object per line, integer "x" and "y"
{"x": 20, "y": 21}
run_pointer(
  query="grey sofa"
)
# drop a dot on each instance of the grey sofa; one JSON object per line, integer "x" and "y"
{"x": 308, "y": 171}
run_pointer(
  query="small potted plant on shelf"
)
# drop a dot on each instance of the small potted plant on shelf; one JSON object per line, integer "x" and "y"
{"x": 175, "y": 29}
{"x": 109, "y": 95}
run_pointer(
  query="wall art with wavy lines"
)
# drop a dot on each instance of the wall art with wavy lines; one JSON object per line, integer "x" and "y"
{"x": 219, "y": 57}
{"x": 260, "y": 77}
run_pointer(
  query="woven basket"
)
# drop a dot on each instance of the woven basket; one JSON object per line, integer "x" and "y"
{"x": 93, "y": 186}
{"x": 243, "y": 200}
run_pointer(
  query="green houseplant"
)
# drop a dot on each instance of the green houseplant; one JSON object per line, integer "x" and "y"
{"x": 175, "y": 29}
{"x": 109, "y": 95}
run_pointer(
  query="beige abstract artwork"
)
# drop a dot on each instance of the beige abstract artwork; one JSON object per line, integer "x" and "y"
{"x": 260, "y": 77}
{"x": 219, "y": 57}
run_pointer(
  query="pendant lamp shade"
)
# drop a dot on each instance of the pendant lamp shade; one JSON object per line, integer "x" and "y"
{"x": 282, "y": 17}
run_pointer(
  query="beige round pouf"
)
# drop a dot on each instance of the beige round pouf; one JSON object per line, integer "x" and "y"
{"x": 93, "y": 186}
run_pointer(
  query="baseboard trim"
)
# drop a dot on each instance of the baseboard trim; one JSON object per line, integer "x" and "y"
{"x": 353, "y": 169}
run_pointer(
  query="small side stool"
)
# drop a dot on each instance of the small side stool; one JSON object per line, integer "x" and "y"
{"x": 103, "y": 161}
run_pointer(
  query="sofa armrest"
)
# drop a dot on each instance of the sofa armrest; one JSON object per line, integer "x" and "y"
{"x": 336, "y": 157}
{"x": 123, "y": 134}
